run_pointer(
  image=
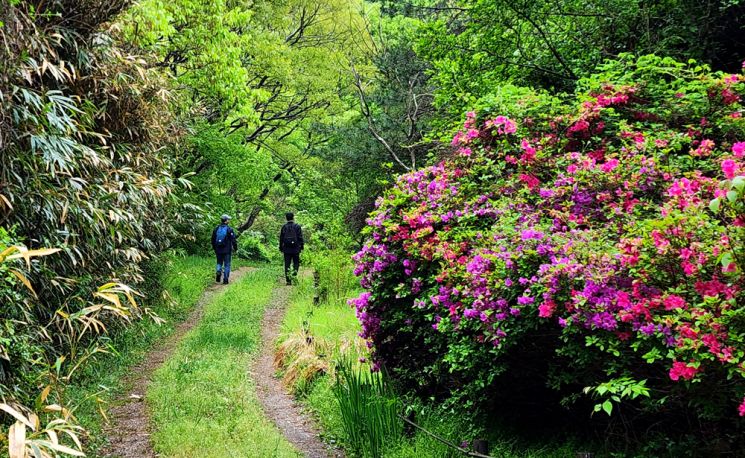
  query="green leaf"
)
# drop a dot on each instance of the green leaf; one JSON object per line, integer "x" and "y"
{"x": 714, "y": 205}
{"x": 738, "y": 182}
{"x": 608, "y": 407}
{"x": 726, "y": 259}
{"x": 732, "y": 196}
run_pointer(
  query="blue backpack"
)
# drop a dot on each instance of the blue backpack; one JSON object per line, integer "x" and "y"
{"x": 221, "y": 237}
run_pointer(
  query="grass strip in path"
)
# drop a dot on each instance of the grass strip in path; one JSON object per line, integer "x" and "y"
{"x": 129, "y": 434}
{"x": 202, "y": 401}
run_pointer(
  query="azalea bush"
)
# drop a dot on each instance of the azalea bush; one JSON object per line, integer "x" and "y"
{"x": 593, "y": 243}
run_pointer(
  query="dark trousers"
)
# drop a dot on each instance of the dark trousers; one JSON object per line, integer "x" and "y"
{"x": 293, "y": 258}
{"x": 223, "y": 265}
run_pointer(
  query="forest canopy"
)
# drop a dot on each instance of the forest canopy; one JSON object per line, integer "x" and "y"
{"x": 588, "y": 153}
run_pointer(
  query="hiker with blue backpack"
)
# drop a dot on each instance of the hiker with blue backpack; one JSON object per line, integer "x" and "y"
{"x": 291, "y": 243}
{"x": 224, "y": 243}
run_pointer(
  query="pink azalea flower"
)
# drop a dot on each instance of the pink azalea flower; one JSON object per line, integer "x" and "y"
{"x": 503, "y": 124}
{"x": 609, "y": 165}
{"x": 546, "y": 310}
{"x": 681, "y": 369}
{"x": 673, "y": 302}
{"x": 579, "y": 126}
{"x": 739, "y": 149}
{"x": 729, "y": 167}
{"x": 529, "y": 180}
{"x": 704, "y": 148}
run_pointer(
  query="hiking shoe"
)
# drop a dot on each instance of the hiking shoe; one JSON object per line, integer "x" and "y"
{"x": 225, "y": 282}
{"x": 217, "y": 277}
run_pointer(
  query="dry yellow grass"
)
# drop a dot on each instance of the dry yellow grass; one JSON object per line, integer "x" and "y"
{"x": 301, "y": 357}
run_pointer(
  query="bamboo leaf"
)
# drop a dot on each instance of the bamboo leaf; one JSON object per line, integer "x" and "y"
{"x": 27, "y": 254}
{"x": 61, "y": 448}
{"x": 4, "y": 200}
{"x": 24, "y": 280}
{"x": 17, "y": 415}
{"x": 7, "y": 252}
{"x": 52, "y": 436}
{"x": 17, "y": 440}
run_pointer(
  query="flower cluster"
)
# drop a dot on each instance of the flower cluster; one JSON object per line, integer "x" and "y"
{"x": 593, "y": 221}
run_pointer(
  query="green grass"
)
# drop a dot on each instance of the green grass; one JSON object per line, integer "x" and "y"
{"x": 332, "y": 321}
{"x": 202, "y": 400}
{"x": 369, "y": 407}
{"x": 99, "y": 383}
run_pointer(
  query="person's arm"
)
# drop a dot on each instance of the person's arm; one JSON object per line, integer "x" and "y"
{"x": 214, "y": 237}
{"x": 234, "y": 240}
{"x": 300, "y": 239}
{"x": 281, "y": 234}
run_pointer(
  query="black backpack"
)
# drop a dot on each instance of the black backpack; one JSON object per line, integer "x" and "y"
{"x": 289, "y": 237}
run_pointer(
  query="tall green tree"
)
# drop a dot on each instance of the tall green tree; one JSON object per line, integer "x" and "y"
{"x": 553, "y": 43}
{"x": 262, "y": 74}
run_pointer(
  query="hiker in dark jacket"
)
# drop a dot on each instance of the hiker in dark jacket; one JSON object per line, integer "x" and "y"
{"x": 291, "y": 243}
{"x": 224, "y": 243}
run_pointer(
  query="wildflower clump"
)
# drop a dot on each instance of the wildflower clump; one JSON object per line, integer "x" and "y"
{"x": 603, "y": 232}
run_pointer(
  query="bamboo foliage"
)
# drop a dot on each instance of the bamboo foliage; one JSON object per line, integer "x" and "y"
{"x": 27, "y": 436}
{"x": 87, "y": 132}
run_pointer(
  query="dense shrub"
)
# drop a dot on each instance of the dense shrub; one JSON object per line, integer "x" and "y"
{"x": 86, "y": 131}
{"x": 593, "y": 241}
{"x": 251, "y": 246}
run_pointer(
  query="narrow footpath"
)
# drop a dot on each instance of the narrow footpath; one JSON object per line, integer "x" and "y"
{"x": 130, "y": 428}
{"x": 297, "y": 427}
{"x": 129, "y": 431}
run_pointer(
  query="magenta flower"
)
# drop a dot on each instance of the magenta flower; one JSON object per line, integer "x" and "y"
{"x": 738, "y": 149}
{"x": 673, "y": 302}
{"x": 471, "y": 313}
{"x": 502, "y": 124}
{"x": 529, "y": 180}
{"x": 682, "y": 370}
{"x": 729, "y": 167}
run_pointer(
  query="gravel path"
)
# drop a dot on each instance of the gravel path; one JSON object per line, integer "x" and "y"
{"x": 279, "y": 406}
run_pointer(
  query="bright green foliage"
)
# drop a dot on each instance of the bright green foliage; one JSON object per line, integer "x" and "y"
{"x": 261, "y": 75}
{"x": 331, "y": 320}
{"x": 369, "y": 410}
{"x": 384, "y": 133}
{"x": 553, "y": 43}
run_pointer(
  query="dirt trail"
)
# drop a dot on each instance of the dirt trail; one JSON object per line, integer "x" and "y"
{"x": 129, "y": 432}
{"x": 279, "y": 406}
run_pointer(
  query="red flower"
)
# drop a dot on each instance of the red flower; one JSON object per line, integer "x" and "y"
{"x": 681, "y": 369}
{"x": 529, "y": 180}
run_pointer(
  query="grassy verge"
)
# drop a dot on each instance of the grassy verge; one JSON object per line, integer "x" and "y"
{"x": 331, "y": 321}
{"x": 184, "y": 280}
{"x": 203, "y": 402}
{"x": 333, "y": 327}
{"x": 330, "y": 328}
